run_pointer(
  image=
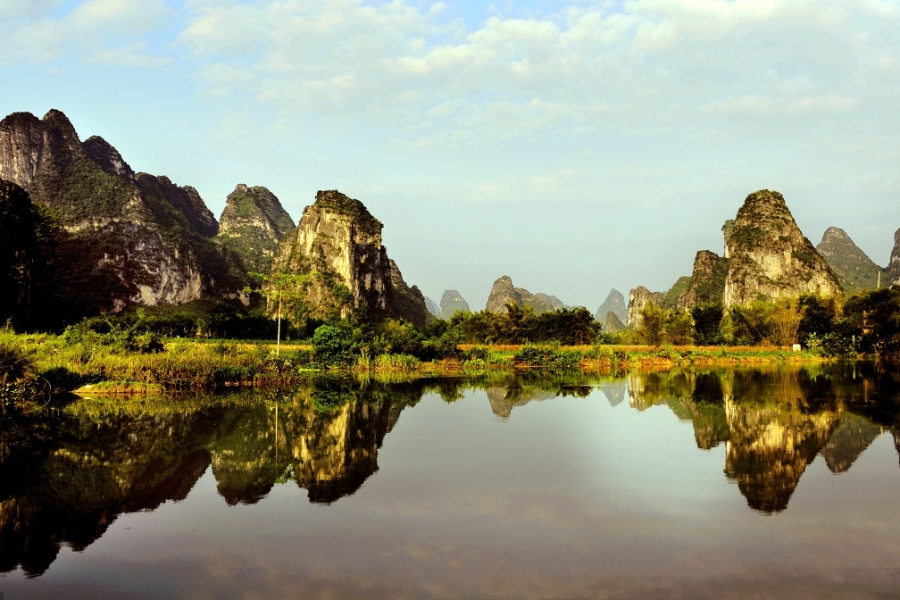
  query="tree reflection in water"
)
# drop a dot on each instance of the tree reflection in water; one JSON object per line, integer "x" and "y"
{"x": 66, "y": 475}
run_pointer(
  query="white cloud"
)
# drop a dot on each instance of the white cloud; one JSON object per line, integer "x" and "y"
{"x": 10, "y": 9}
{"x": 130, "y": 55}
{"x": 653, "y": 64}
{"x": 649, "y": 98}
{"x": 95, "y": 30}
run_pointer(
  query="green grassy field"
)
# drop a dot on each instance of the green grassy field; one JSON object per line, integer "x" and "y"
{"x": 41, "y": 363}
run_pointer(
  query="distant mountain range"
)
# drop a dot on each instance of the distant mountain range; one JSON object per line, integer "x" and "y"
{"x": 767, "y": 256}
{"x": 132, "y": 238}
{"x": 136, "y": 238}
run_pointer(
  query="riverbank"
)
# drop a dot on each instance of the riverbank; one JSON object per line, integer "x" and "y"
{"x": 41, "y": 364}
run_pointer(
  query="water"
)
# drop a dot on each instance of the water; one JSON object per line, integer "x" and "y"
{"x": 778, "y": 483}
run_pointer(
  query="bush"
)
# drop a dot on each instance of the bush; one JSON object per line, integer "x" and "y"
{"x": 17, "y": 382}
{"x": 333, "y": 345}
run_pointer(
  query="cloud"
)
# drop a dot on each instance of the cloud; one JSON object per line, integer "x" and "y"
{"x": 96, "y": 31}
{"x": 130, "y": 55}
{"x": 650, "y": 66}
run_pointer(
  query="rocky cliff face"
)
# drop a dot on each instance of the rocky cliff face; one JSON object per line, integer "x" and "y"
{"x": 770, "y": 258}
{"x": 451, "y": 303}
{"x": 503, "y": 292}
{"x": 149, "y": 232}
{"x": 707, "y": 284}
{"x": 675, "y": 297}
{"x": 337, "y": 245}
{"x": 637, "y": 299}
{"x": 185, "y": 199}
{"x": 892, "y": 273}
{"x": 409, "y": 302}
{"x": 854, "y": 270}
{"x": 432, "y": 307}
{"x": 614, "y": 302}
{"x": 553, "y": 301}
{"x": 252, "y": 224}
{"x": 612, "y": 323}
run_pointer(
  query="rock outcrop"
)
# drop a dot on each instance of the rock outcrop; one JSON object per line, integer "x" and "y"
{"x": 707, "y": 284}
{"x": 109, "y": 159}
{"x": 251, "y": 226}
{"x": 503, "y": 292}
{"x": 614, "y": 302}
{"x": 637, "y": 300}
{"x": 770, "y": 258}
{"x": 149, "y": 233}
{"x": 432, "y": 307}
{"x": 854, "y": 270}
{"x": 612, "y": 323}
{"x": 892, "y": 273}
{"x": 675, "y": 297}
{"x": 452, "y": 302}
{"x": 553, "y": 301}
{"x": 409, "y": 302}
{"x": 337, "y": 247}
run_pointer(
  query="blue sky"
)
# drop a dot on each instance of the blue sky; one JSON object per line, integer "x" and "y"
{"x": 575, "y": 146}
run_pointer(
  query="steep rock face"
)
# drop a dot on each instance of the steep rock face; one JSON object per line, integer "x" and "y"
{"x": 451, "y": 303}
{"x": 120, "y": 227}
{"x": 707, "y": 284}
{"x": 26, "y": 145}
{"x": 409, "y": 302}
{"x": 109, "y": 159}
{"x": 727, "y": 232}
{"x": 892, "y": 273}
{"x": 770, "y": 258}
{"x": 503, "y": 292}
{"x": 612, "y": 323}
{"x": 432, "y": 307}
{"x": 637, "y": 299}
{"x": 553, "y": 301}
{"x": 854, "y": 270}
{"x": 252, "y": 224}
{"x": 675, "y": 297}
{"x": 614, "y": 302}
{"x": 337, "y": 245}
{"x": 185, "y": 199}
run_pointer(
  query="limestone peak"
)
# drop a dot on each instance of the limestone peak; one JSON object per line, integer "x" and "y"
{"x": 855, "y": 271}
{"x": 769, "y": 257}
{"x": 503, "y": 291}
{"x": 342, "y": 204}
{"x": 892, "y": 273}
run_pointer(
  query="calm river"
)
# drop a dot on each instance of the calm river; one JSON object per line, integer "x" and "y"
{"x": 774, "y": 483}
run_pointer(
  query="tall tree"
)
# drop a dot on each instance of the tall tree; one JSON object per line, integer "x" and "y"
{"x": 26, "y": 248}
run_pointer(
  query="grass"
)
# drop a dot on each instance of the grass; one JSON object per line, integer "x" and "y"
{"x": 188, "y": 365}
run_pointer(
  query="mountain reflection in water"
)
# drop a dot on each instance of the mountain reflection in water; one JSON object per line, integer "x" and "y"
{"x": 66, "y": 475}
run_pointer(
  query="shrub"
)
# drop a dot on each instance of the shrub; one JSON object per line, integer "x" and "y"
{"x": 333, "y": 345}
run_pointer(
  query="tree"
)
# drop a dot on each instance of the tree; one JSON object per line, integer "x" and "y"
{"x": 679, "y": 327}
{"x": 874, "y": 318}
{"x": 652, "y": 327}
{"x": 785, "y": 321}
{"x": 752, "y": 323}
{"x": 284, "y": 292}
{"x": 26, "y": 251}
{"x": 819, "y": 315}
{"x": 706, "y": 323}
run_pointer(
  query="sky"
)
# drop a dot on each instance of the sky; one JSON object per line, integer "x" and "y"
{"x": 575, "y": 146}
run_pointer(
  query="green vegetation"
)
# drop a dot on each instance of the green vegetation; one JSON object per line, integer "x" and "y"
{"x": 748, "y": 236}
{"x": 351, "y": 207}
